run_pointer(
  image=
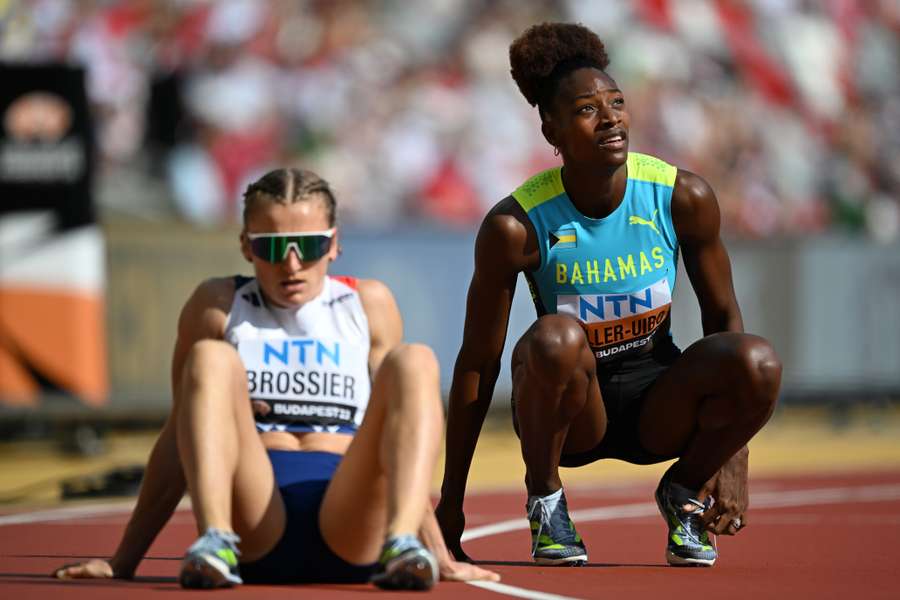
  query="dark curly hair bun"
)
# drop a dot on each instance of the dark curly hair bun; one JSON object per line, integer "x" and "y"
{"x": 545, "y": 53}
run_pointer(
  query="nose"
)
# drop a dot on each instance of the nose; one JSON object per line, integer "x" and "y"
{"x": 609, "y": 118}
{"x": 292, "y": 262}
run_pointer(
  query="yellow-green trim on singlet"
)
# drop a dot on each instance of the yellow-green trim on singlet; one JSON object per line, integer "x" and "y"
{"x": 544, "y": 186}
{"x": 547, "y": 185}
{"x": 643, "y": 167}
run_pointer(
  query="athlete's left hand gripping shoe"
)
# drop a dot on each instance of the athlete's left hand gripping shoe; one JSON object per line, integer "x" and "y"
{"x": 554, "y": 540}
{"x": 211, "y": 561}
{"x": 405, "y": 564}
{"x": 688, "y": 542}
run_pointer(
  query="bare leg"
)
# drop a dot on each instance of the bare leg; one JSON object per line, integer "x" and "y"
{"x": 382, "y": 485}
{"x": 558, "y": 403}
{"x": 709, "y": 404}
{"x": 228, "y": 472}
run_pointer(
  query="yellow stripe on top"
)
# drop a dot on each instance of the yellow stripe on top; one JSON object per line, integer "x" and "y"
{"x": 548, "y": 184}
{"x": 540, "y": 188}
{"x": 643, "y": 167}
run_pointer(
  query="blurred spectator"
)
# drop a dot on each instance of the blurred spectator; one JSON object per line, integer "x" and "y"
{"x": 788, "y": 107}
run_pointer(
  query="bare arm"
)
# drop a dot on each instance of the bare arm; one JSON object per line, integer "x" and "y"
{"x": 385, "y": 322}
{"x": 203, "y": 316}
{"x": 695, "y": 214}
{"x": 505, "y": 245}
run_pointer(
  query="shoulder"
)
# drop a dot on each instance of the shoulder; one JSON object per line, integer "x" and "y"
{"x": 539, "y": 188}
{"x": 695, "y": 210}
{"x": 507, "y": 236}
{"x": 376, "y": 297}
{"x": 377, "y": 301}
{"x": 650, "y": 169}
{"x": 385, "y": 323}
{"x": 505, "y": 220}
{"x": 206, "y": 311}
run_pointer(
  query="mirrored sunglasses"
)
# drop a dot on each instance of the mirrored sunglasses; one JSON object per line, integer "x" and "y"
{"x": 274, "y": 247}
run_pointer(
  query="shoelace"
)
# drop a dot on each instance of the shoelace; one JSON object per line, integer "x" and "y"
{"x": 396, "y": 546}
{"x": 229, "y": 537}
{"x": 543, "y": 513}
{"x": 545, "y": 516}
{"x": 692, "y": 524}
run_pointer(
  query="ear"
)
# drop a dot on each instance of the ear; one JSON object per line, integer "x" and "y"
{"x": 335, "y": 249}
{"x": 549, "y": 130}
{"x": 245, "y": 246}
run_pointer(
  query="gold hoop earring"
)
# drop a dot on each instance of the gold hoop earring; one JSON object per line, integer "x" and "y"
{"x": 555, "y": 150}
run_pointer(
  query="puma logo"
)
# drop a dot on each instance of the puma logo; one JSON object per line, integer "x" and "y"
{"x": 635, "y": 220}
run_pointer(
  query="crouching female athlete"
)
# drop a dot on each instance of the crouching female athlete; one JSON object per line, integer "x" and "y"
{"x": 300, "y": 466}
{"x": 598, "y": 375}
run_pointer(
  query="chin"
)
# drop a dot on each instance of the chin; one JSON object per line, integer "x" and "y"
{"x": 614, "y": 159}
{"x": 293, "y": 300}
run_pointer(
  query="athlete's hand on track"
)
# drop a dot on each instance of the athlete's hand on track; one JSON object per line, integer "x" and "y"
{"x": 463, "y": 571}
{"x": 731, "y": 493}
{"x": 452, "y": 522}
{"x": 91, "y": 569}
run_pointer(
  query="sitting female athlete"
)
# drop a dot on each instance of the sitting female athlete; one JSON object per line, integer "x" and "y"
{"x": 296, "y": 460}
{"x": 598, "y": 375}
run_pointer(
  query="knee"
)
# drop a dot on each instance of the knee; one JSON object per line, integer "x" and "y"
{"x": 211, "y": 360}
{"x": 556, "y": 345}
{"x": 410, "y": 374}
{"x": 760, "y": 368}
{"x": 412, "y": 361}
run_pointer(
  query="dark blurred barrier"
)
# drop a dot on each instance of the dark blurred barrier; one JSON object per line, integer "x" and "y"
{"x": 828, "y": 305}
{"x": 52, "y": 338}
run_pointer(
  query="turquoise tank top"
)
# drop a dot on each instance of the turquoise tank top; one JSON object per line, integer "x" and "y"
{"x": 615, "y": 275}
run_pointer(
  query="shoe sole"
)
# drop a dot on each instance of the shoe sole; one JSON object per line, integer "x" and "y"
{"x": 679, "y": 561}
{"x": 575, "y": 561}
{"x": 415, "y": 573}
{"x": 206, "y": 573}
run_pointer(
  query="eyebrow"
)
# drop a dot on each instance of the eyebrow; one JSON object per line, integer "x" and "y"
{"x": 594, "y": 93}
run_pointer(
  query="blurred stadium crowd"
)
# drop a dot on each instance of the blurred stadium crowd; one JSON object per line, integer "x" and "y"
{"x": 790, "y": 108}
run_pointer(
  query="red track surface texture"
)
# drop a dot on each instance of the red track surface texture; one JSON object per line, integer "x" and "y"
{"x": 825, "y": 537}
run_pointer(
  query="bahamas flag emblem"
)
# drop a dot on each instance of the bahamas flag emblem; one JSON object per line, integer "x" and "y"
{"x": 563, "y": 239}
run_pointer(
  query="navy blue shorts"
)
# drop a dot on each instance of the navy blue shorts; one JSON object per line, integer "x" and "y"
{"x": 302, "y": 556}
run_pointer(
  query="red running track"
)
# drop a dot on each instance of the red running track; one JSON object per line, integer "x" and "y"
{"x": 811, "y": 537}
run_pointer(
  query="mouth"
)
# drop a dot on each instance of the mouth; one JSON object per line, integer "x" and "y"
{"x": 293, "y": 285}
{"x": 613, "y": 141}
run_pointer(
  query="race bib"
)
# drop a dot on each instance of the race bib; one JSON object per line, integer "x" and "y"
{"x": 303, "y": 379}
{"x": 617, "y": 323}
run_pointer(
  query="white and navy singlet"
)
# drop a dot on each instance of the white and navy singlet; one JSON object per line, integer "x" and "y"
{"x": 307, "y": 367}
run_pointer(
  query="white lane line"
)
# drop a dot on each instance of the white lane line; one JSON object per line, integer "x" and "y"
{"x": 511, "y": 590}
{"x": 834, "y": 495}
{"x": 74, "y": 512}
{"x": 65, "y": 514}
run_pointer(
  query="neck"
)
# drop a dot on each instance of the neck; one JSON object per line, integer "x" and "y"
{"x": 595, "y": 192}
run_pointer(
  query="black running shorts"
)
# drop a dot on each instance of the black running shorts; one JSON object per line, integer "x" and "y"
{"x": 624, "y": 385}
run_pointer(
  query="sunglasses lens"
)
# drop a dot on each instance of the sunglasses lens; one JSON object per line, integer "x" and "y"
{"x": 275, "y": 249}
{"x": 264, "y": 248}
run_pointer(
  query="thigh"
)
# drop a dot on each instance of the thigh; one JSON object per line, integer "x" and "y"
{"x": 709, "y": 368}
{"x": 587, "y": 426}
{"x": 258, "y": 512}
{"x": 215, "y": 367}
{"x": 354, "y": 513}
